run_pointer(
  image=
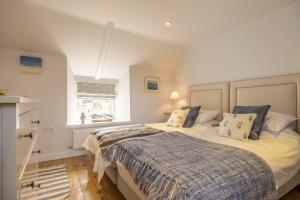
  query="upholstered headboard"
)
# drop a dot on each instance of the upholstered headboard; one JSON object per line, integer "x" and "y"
{"x": 210, "y": 96}
{"x": 281, "y": 92}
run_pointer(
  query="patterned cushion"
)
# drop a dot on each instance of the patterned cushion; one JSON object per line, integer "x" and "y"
{"x": 237, "y": 126}
{"x": 192, "y": 116}
{"x": 261, "y": 112}
{"x": 177, "y": 118}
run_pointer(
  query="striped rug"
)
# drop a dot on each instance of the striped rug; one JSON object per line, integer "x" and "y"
{"x": 54, "y": 184}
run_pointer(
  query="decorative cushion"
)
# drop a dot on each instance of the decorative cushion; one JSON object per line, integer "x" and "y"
{"x": 207, "y": 115}
{"x": 237, "y": 126}
{"x": 276, "y": 122}
{"x": 177, "y": 118}
{"x": 191, "y": 116}
{"x": 261, "y": 112}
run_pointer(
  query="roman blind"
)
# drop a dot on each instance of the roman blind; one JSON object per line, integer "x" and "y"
{"x": 96, "y": 90}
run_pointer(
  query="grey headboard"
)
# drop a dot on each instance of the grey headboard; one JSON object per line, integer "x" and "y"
{"x": 281, "y": 92}
{"x": 213, "y": 96}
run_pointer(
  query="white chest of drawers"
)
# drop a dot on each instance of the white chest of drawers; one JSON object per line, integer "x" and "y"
{"x": 19, "y": 123}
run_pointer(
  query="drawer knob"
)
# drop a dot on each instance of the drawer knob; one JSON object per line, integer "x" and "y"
{"x": 35, "y": 122}
{"x": 30, "y": 135}
{"x": 32, "y": 185}
{"x": 34, "y": 152}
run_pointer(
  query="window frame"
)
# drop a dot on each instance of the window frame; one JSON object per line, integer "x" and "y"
{"x": 101, "y": 81}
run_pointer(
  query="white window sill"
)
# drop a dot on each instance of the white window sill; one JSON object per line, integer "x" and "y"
{"x": 98, "y": 124}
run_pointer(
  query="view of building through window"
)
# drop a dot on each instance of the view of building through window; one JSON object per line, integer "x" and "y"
{"x": 95, "y": 102}
{"x": 96, "y": 109}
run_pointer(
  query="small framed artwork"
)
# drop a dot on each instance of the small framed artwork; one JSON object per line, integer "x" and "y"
{"x": 152, "y": 84}
{"x": 32, "y": 65}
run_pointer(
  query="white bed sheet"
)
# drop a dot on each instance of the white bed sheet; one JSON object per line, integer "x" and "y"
{"x": 282, "y": 153}
{"x": 92, "y": 144}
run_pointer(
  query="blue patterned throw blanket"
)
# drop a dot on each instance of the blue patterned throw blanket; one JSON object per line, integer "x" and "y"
{"x": 108, "y": 136}
{"x": 176, "y": 166}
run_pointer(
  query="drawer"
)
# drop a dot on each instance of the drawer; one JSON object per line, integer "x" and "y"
{"x": 26, "y": 107}
{"x": 29, "y": 181}
{"x": 26, "y": 140}
{"x": 28, "y": 120}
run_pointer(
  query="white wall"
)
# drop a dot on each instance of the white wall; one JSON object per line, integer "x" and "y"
{"x": 123, "y": 98}
{"x": 264, "y": 47}
{"x": 71, "y": 96}
{"x": 50, "y": 87}
{"x": 133, "y": 103}
{"x": 149, "y": 107}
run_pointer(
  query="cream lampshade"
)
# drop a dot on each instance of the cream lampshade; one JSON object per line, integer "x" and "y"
{"x": 174, "y": 95}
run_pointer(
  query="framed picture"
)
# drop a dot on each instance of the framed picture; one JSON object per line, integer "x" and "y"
{"x": 32, "y": 65}
{"x": 152, "y": 84}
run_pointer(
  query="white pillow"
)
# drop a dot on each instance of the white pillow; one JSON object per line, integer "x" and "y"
{"x": 177, "y": 118}
{"x": 237, "y": 126}
{"x": 207, "y": 115}
{"x": 276, "y": 122}
{"x": 211, "y": 123}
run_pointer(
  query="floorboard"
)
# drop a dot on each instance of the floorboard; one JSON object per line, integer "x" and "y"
{"x": 83, "y": 182}
{"x": 84, "y": 186}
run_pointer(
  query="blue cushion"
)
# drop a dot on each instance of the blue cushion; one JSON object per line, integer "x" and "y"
{"x": 192, "y": 116}
{"x": 261, "y": 112}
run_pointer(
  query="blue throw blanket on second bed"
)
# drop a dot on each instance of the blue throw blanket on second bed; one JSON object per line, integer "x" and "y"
{"x": 175, "y": 166}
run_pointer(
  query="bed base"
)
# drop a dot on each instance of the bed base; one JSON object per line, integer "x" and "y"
{"x": 288, "y": 186}
{"x": 126, "y": 191}
{"x": 112, "y": 172}
{"x": 131, "y": 191}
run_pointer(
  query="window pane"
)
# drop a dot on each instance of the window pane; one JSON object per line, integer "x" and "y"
{"x": 96, "y": 101}
{"x": 96, "y": 109}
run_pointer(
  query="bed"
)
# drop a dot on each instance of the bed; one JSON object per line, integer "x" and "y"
{"x": 281, "y": 153}
{"x": 283, "y": 94}
{"x": 210, "y": 96}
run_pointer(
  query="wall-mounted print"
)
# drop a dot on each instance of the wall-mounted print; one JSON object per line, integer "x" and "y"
{"x": 152, "y": 84}
{"x": 32, "y": 65}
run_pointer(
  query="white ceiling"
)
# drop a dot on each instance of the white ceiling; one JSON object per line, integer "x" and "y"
{"x": 74, "y": 28}
{"x": 192, "y": 19}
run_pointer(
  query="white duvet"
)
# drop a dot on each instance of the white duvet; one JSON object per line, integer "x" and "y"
{"x": 281, "y": 152}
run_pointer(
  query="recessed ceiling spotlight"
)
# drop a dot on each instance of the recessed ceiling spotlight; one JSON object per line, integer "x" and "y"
{"x": 168, "y": 23}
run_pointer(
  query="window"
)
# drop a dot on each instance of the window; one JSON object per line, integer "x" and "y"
{"x": 95, "y": 101}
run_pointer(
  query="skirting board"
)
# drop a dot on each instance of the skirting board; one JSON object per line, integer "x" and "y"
{"x": 60, "y": 155}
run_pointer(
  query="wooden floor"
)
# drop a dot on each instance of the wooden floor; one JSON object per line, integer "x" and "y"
{"x": 83, "y": 181}
{"x": 84, "y": 186}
